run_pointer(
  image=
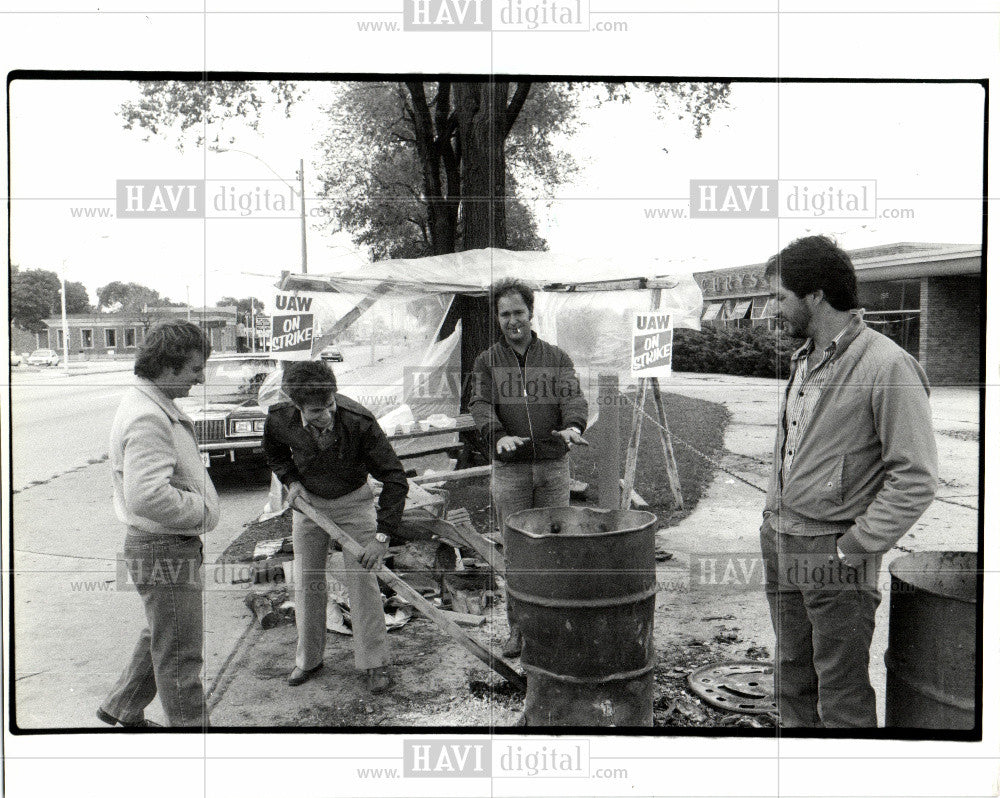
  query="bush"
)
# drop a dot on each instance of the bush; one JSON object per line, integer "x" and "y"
{"x": 746, "y": 352}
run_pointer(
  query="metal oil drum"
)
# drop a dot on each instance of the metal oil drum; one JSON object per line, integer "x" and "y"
{"x": 583, "y": 583}
{"x": 931, "y": 660}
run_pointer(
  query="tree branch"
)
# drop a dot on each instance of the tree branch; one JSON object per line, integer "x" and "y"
{"x": 515, "y": 106}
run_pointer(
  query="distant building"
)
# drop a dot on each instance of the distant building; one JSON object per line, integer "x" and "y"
{"x": 926, "y": 297}
{"x": 95, "y": 334}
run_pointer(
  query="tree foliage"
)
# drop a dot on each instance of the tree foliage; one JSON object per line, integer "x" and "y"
{"x": 191, "y": 108}
{"x": 428, "y": 167}
{"x": 34, "y": 296}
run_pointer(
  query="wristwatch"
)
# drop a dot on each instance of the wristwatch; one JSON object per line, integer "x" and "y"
{"x": 382, "y": 538}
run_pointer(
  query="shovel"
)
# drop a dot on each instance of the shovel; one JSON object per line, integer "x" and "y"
{"x": 424, "y": 607}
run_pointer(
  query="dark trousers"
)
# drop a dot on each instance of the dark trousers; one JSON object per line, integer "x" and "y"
{"x": 823, "y": 613}
{"x": 167, "y": 659}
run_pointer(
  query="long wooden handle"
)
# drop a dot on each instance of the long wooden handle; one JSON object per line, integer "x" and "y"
{"x": 422, "y": 605}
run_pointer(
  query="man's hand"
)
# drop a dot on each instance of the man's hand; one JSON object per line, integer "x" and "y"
{"x": 295, "y": 491}
{"x": 510, "y": 443}
{"x": 371, "y": 557}
{"x": 570, "y": 435}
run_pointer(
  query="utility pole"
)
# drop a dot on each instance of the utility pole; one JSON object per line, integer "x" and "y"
{"x": 302, "y": 211}
{"x": 65, "y": 324}
{"x": 253, "y": 327}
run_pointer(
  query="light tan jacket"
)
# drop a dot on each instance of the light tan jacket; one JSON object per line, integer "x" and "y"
{"x": 161, "y": 485}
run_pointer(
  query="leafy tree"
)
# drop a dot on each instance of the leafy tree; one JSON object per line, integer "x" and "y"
{"x": 133, "y": 299}
{"x": 420, "y": 168}
{"x": 34, "y": 296}
{"x": 424, "y": 167}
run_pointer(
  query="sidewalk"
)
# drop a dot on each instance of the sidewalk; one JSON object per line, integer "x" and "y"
{"x": 75, "y": 623}
{"x": 77, "y": 368}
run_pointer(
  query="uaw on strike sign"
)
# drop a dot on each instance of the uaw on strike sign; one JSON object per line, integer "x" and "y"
{"x": 652, "y": 344}
{"x": 292, "y": 329}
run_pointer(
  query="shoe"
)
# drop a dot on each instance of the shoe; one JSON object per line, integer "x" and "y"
{"x": 111, "y": 720}
{"x": 378, "y": 680}
{"x": 512, "y": 648}
{"x": 298, "y": 676}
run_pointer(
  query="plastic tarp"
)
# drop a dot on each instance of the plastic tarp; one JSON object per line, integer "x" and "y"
{"x": 473, "y": 272}
{"x": 593, "y": 326}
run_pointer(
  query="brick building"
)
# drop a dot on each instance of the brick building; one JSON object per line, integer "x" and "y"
{"x": 94, "y": 335}
{"x": 926, "y": 297}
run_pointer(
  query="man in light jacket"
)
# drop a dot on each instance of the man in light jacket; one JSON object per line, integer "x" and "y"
{"x": 855, "y": 465}
{"x": 164, "y": 496}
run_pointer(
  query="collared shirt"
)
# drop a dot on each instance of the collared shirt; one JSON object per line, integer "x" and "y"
{"x": 806, "y": 385}
{"x": 323, "y": 436}
{"x": 855, "y": 444}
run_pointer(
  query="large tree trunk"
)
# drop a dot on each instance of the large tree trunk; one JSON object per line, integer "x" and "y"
{"x": 481, "y": 111}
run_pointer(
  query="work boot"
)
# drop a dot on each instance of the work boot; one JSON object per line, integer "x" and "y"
{"x": 512, "y": 648}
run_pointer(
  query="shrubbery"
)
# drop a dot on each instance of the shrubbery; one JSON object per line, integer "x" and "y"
{"x": 747, "y": 352}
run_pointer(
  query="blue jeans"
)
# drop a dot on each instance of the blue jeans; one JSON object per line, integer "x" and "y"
{"x": 823, "y": 615}
{"x": 523, "y": 486}
{"x": 167, "y": 659}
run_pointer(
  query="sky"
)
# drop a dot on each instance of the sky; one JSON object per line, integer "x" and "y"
{"x": 920, "y": 143}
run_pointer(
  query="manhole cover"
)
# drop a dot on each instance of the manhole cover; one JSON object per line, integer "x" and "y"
{"x": 739, "y": 686}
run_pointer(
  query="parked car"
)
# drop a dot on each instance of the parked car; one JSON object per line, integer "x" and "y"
{"x": 15, "y": 358}
{"x": 227, "y": 418}
{"x": 43, "y": 357}
{"x": 332, "y": 354}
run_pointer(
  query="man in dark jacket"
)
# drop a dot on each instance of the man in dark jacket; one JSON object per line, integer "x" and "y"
{"x": 322, "y": 446}
{"x": 528, "y": 407}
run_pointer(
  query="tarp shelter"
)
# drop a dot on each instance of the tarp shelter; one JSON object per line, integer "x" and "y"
{"x": 583, "y": 305}
{"x": 586, "y": 306}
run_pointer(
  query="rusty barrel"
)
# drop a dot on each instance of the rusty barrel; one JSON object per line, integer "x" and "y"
{"x": 583, "y": 585}
{"x": 931, "y": 660}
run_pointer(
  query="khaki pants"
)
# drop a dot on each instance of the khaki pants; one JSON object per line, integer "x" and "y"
{"x": 355, "y": 514}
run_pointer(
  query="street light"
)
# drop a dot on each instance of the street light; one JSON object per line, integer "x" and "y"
{"x": 301, "y": 192}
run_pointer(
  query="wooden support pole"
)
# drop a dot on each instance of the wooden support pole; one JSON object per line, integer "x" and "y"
{"x": 632, "y": 454}
{"x": 609, "y": 442}
{"x": 673, "y": 477}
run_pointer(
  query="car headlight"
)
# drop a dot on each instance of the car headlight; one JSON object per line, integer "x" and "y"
{"x": 258, "y": 426}
{"x": 244, "y": 427}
